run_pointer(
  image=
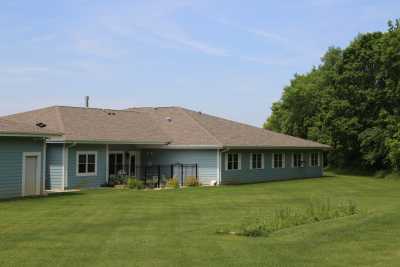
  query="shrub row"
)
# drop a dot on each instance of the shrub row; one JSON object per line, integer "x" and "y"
{"x": 316, "y": 210}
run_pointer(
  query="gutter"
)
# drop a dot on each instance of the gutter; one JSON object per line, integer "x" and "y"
{"x": 278, "y": 147}
{"x": 27, "y": 135}
{"x": 110, "y": 142}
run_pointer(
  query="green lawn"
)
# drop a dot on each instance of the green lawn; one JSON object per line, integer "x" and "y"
{"x": 177, "y": 228}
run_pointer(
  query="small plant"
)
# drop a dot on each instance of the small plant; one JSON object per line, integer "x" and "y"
{"x": 118, "y": 180}
{"x": 134, "y": 183}
{"x": 256, "y": 229}
{"x": 172, "y": 183}
{"x": 191, "y": 181}
{"x": 316, "y": 210}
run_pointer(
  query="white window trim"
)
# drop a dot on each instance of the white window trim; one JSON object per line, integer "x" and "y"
{"x": 136, "y": 154}
{"x": 78, "y": 153}
{"x": 283, "y": 161}
{"x": 318, "y": 160}
{"x": 301, "y": 159}
{"x": 262, "y": 161}
{"x": 239, "y": 161}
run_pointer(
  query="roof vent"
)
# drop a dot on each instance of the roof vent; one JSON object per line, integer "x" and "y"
{"x": 87, "y": 101}
{"x": 41, "y": 125}
{"x": 169, "y": 119}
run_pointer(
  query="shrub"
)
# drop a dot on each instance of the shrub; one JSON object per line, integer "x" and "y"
{"x": 118, "y": 180}
{"x": 316, "y": 210}
{"x": 191, "y": 181}
{"x": 256, "y": 229}
{"x": 134, "y": 183}
{"x": 172, "y": 183}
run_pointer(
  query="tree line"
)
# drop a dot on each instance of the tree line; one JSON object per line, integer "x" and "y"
{"x": 351, "y": 101}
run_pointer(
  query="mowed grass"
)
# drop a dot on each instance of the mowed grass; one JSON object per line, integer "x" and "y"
{"x": 108, "y": 227}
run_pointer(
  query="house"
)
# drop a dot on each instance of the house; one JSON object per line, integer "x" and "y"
{"x": 95, "y": 144}
{"x": 22, "y": 158}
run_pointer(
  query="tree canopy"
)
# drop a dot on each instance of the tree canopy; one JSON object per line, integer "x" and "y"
{"x": 351, "y": 101}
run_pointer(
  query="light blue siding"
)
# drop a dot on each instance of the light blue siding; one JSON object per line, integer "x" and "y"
{"x": 247, "y": 175}
{"x": 55, "y": 166}
{"x": 206, "y": 160}
{"x": 75, "y": 181}
{"x": 11, "y": 153}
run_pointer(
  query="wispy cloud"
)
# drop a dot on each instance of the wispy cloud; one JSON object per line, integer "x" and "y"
{"x": 269, "y": 35}
{"x": 97, "y": 47}
{"x": 268, "y": 61}
{"x": 43, "y": 38}
{"x": 266, "y": 35}
{"x": 23, "y": 70}
{"x": 155, "y": 22}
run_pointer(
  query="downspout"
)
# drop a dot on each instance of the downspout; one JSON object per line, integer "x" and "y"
{"x": 107, "y": 163}
{"x": 44, "y": 165}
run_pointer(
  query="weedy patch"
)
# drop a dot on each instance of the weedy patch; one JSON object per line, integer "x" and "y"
{"x": 316, "y": 210}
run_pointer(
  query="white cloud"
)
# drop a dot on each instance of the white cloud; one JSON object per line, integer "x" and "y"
{"x": 270, "y": 61}
{"x": 23, "y": 70}
{"x": 269, "y": 35}
{"x": 43, "y": 38}
{"x": 97, "y": 47}
{"x": 155, "y": 22}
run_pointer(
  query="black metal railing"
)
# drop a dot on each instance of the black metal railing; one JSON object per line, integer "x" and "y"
{"x": 158, "y": 175}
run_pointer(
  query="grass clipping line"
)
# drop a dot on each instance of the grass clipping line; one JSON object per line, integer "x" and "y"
{"x": 317, "y": 210}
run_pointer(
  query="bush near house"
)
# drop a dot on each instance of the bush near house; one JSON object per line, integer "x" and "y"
{"x": 134, "y": 183}
{"x": 172, "y": 183}
{"x": 191, "y": 181}
{"x": 118, "y": 180}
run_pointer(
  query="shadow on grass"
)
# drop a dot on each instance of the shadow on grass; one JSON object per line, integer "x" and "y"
{"x": 286, "y": 180}
{"x": 41, "y": 197}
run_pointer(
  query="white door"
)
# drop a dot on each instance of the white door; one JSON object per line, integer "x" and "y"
{"x": 31, "y": 179}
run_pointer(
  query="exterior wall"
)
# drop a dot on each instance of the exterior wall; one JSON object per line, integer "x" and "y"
{"x": 247, "y": 175}
{"x": 11, "y": 156}
{"x": 55, "y": 166}
{"x": 206, "y": 160}
{"x": 75, "y": 181}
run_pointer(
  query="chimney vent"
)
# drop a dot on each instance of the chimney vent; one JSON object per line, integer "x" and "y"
{"x": 87, "y": 101}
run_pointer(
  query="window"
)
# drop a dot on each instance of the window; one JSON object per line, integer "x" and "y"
{"x": 297, "y": 160}
{"x": 257, "y": 161}
{"x": 115, "y": 163}
{"x": 314, "y": 159}
{"x": 278, "y": 160}
{"x": 232, "y": 161}
{"x": 86, "y": 163}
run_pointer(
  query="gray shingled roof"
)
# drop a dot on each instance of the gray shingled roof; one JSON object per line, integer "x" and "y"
{"x": 173, "y": 125}
{"x": 188, "y": 127}
{"x": 97, "y": 125}
{"x": 8, "y": 127}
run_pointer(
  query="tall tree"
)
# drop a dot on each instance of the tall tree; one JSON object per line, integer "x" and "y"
{"x": 351, "y": 101}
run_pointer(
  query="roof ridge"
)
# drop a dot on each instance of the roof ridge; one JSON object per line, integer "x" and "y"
{"x": 99, "y": 109}
{"x": 184, "y": 110}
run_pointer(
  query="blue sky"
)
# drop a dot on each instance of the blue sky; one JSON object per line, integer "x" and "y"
{"x": 228, "y": 58}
